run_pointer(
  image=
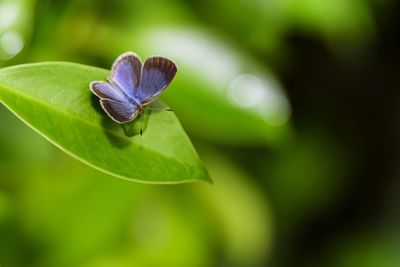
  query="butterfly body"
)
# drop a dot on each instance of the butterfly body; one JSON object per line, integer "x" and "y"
{"x": 131, "y": 85}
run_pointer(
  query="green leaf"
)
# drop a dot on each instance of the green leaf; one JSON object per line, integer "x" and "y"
{"x": 54, "y": 99}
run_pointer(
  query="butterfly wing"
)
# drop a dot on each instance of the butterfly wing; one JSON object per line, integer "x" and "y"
{"x": 106, "y": 91}
{"x": 125, "y": 73}
{"x": 114, "y": 102}
{"x": 157, "y": 74}
{"x": 120, "y": 112}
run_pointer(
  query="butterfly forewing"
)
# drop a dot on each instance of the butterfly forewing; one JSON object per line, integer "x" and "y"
{"x": 126, "y": 72}
{"x": 157, "y": 74}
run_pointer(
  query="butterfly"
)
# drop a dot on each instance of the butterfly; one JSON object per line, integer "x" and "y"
{"x": 131, "y": 85}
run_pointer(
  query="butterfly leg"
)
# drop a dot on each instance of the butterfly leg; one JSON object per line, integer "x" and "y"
{"x": 141, "y": 123}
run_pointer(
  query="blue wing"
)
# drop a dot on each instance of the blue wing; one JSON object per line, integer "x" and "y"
{"x": 114, "y": 102}
{"x": 125, "y": 74}
{"x": 107, "y": 91}
{"x": 120, "y": 112}
{"x": 157, "y": 74}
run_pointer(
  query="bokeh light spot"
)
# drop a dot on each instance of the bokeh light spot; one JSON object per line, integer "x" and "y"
{"x": 11, "y": 43}
{"x": 247, "y": 90}
{"x": 254, "y": 93}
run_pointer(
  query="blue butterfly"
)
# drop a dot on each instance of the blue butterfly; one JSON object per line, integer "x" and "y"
{"x": 131, "y": 86}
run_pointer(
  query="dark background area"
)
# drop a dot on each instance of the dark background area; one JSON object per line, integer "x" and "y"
{"x": 355, "y": 98}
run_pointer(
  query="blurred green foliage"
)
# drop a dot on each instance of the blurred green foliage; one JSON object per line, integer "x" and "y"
{"x": 274, "y": 169}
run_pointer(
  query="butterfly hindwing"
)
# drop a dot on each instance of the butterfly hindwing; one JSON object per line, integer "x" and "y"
{"x": 120, "y": 112}
{"x": 157, "y": 74}
{"x": 126, "y": 72}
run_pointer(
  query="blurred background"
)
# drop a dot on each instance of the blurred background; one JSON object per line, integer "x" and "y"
{"x": 293, "y": 105}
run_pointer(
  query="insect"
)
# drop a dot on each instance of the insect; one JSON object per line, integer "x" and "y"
{"x": 131, "y": 85}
